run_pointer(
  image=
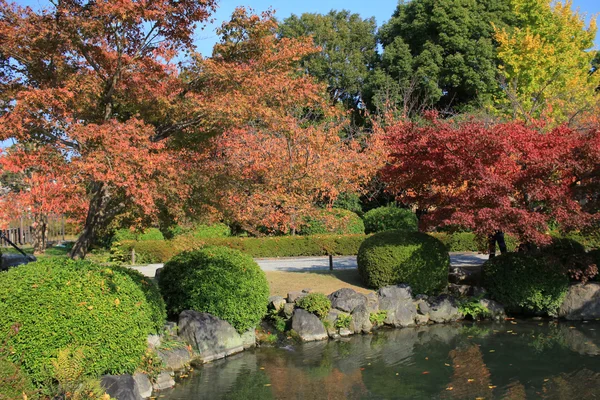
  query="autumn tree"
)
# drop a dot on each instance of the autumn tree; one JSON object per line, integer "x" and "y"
{"x": 511, "y": 177}
{"x": 277, "y": 147}
{"x": 96, "y": 83}
{"x": 546, "y": 64}
{"x": 38, "y": 189}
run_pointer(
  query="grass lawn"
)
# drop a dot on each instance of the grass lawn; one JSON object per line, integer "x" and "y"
{"x": 280, "y": 283}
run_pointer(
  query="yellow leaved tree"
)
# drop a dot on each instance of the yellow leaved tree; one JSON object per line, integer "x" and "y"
{"x": 545, "y": 63}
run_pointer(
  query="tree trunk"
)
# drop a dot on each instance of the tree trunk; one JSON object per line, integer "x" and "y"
{"x": 100, "y": 214}
{"x": 40, "y": 230}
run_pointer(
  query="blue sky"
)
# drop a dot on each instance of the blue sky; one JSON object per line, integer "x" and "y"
{"x": 380, "y": 9}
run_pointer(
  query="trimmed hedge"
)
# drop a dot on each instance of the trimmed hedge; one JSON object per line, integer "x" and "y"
{"x": 526, "y": 282}
{"x": 224, "y": 282}
{"x": 279, "y": 246}
{"x": 387, "y": 218}
{"x": 58, "y": 303}
{"x": 468, "y": 241}
{"x": 334, "y": 221}
{"x": 393, "y": 257}
{"x": 284, "y": 246}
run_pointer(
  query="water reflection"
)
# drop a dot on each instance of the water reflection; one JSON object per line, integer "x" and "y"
{"x": 513, "y": 360}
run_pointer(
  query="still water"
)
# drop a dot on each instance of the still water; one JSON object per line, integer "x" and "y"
{"x": 509, "y": 360}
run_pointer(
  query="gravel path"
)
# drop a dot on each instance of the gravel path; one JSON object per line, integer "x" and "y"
{"x": 295, "y": 264}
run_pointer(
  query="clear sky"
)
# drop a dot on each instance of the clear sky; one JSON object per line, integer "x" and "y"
{"x": 380, "y": 9}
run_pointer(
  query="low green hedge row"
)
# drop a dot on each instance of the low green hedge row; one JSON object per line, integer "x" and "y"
{"x": 284, "y": 246}
{"x": 296, "y": 246}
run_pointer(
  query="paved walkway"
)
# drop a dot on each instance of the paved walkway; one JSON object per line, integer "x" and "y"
{"x": 296, "y": 264}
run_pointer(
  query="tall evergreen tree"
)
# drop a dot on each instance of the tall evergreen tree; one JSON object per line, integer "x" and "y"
{"x": 441, "y": 53}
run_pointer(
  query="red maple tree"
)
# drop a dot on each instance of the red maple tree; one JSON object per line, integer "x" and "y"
{"x": 510, "y": 177}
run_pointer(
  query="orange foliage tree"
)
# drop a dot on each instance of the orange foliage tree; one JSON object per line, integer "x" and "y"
{"x": 279, "y": 147}
{"x": 95, "y": 83}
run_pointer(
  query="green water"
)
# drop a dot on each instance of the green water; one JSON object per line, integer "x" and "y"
{"x": 518, "y": 360}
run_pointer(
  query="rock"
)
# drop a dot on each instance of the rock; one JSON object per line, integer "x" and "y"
{"x": 421, "y": 319}
{"x": 372, "y": 302}
{"x": 175, "y": 359}
{"x": 465, "y": 275}
{"x": 120, "y": 387}
{"x": 394, "y": 294}
{"x": 249, "y": 339}
{"x": 153, "y": 341}
{"x": 171, "y": 329}
{"x": 496, "y": 309}
{"x": 398, "y": 302}
{"x": 288, "y": 310}
{"x": 308, "y": 326}
{"x": 329, "y": 322}
{"x": 164, "y": 380}
{"x": 347, "y": 299}
{"x": 478, "y": 291}
{"x": 308, "y": 291}
{"x": 143, "y": 384}
{"x": 361, "y": 322}
{"x": 582, "y": 302}
{"x": 444, "y": 308}
{"x": 293, "y": 297}
{"x": 344, "y": 332}
{"x": 423, "y": 307}
{"x": 210, "y": 337}
{"x": 157, "y": 274}
{"x": 459, "y": 290}
{"x": 276, "y": 302}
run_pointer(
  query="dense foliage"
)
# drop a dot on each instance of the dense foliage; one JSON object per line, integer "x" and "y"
{"x": 14, "y": 384}
{"x": 348, "y": 48}
{"x": 334, "y": 221}
{"x": 512, "y": 177}
{"x": 88, "y": 87}
{"x": 221, "y": 281}
{"x": 526, "y": 282}
{"x": 388, "y": 218}
{"x": 316, "y": 303}
{"x": 393, "y": 257}
{"x": 439, "y": 53}
{"x": 283, "y": 246}
{"x": 53, "y": 304}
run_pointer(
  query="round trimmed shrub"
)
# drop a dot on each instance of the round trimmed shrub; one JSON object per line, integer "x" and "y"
{"x": 415, "y": 258}
{"x": 390, "y": 218}
{"x": 218, "y": 280}
{"x": 526, "y": 282}
{"x": 563, "y": 248}
{"x": 316, "y": 303}
{"x": 53, "y": 304}
{"x": 335, "y": 221}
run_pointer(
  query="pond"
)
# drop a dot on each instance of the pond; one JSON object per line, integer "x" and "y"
{"x": 508, "y": 360}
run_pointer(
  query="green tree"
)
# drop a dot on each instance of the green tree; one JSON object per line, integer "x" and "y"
{"x": 348, "y": 50}
{"x": 546, "y": 66}
{"x": 439, "y": 53}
